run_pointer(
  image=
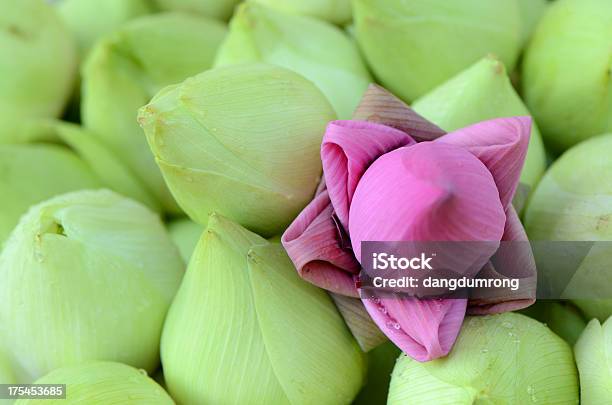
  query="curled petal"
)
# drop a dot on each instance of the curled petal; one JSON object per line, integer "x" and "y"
{"x": 380, "y": 106}
{"x": 348, "y": 148}
{"x": 501, "y": 144}
{"x": 423, "y": 329}
{"x": 313, "y": 245}
{"x": 512, "y": 260}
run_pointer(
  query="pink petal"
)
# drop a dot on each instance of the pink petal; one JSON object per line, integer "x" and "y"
{"x": 427, "y": 192}
{"x": 348, "y": 148}
{"x": 423, "y": 329}
{"x": 501, "y": 144}
{"x": 515, "y": 261}
{"x": 312, "y": 243}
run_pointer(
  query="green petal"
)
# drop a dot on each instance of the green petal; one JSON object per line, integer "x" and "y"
{"x": 127, "y": 68}
{"x": 88, "y": 20}
{"x": 482, "y": 92}
{"x": 261, "y": 34}
{"x": 105, "y": 165}
{"x": 292, "y": 310}
{"x": 93, "y": 270}
{"x": 232, "y": 331}
{"x": 334, "y": 11}
{"x": 30, "y": 174}
{"x": 38, "y": 64}
{"x": 413, "y": 46}
{"x": 573, "y": 202}
{"x": 221, "y": 9}
{"x": 570, "y": 101}
{"x": 594, "y": 359}
{"x": 507, "y": 358}
{"x": 101, "y": 383}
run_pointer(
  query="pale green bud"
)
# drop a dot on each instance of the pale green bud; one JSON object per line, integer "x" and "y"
{"x": 185, "y": 234}
{"x": 561, "y": 317}
{"x": 594, "y": 359}
{"x": 220, "y": 9}
{"x": 242, "y": 140}
{"x": 261, "y": 34}
{"x": 125, "y": 69}
{"x": 40, "y": 170}
{"x": 479, "y": 93}
{"x": 102, "y": 383}
{"x": 38, "y": 63}
{"x": 497, "y": 359}
{"x": 567, "y": 72}
{"x": 414, "y": 45}
{"x": 245, "y": 328}
{"x": 87, "y": 275}
{"x": 334, "y": 11}
{"x": 88, "y": 20}
{"x": 573, "y": 202}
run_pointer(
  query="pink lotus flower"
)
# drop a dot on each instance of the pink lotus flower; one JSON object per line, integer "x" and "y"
{"x": 414, "y": 183}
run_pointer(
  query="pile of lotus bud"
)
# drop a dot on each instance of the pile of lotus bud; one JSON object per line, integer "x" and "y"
{"x": 189, "y": 189}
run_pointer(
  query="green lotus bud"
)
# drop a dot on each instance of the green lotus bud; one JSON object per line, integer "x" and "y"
{"x": 334, "y": 11}
{"x": 185, "y": 235}
{"x": 101, "y": 383}
{"x": 482, "y": 92}
{"x": 262, "y": 312}
{"x": 127, "y": 68}
{"x": 35, "y": 172}
{"x": 380, "y": 365}
{"x": 531, "y": 12}
{"x": 38, "y": 63}
{"x": 242, "y": 140}
{"x": 566, "y": 72}
{"x": 561, "y": 317}
{"x": 96, "y": 272}
{"x": 497, "y": 359}
{"x": 573, "y": 202}
{"x": 415, "y": 45}
{"x": 91, "y": 19}
{"x": 594, "y": 359}
{"x": 221, "y": 9}
{"x": 261, "y": 34}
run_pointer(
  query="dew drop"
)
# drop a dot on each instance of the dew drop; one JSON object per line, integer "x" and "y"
{"x": 396, "y": 326}
{"x": 507, "y": 325}
{"x": 484, "y": 351}
{"x": 383, "y": 310}
{"x": 143, "y": 372}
